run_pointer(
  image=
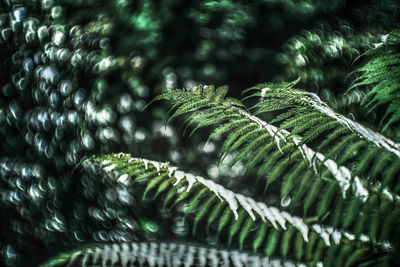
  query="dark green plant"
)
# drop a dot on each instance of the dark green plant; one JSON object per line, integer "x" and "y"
{"x": 75, "y": 76}
{"x": 318, "y": 158}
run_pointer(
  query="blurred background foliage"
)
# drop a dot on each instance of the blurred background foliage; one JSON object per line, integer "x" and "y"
{"x": 76, "y": 75}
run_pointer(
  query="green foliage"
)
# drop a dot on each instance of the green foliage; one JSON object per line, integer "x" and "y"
{"x": 337, "y": 47}
{"x": 228, "y": 214}
{"x": 306, "y": 179}
{"x": 334, "y": 220}
{"x": 383, "y": 72}
{"x": 310, "y": 121}
{"x": 283, "y": 158}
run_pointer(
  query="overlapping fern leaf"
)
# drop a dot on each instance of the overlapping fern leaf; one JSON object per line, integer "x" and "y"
{"x": 349, "y": 176}
{"x": 364, "y": 160}
{"x": 237, "y": 220}
{"x": 311, "y": 123}
{"x": 331, "y": 183}
{"x": 382, "y": 71}
{"x": 337, "y": 179}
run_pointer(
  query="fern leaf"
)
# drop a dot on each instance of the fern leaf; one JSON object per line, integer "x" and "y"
{"x": 244, "y": 132}
{"x": 272, "y": 243}
{"x": 236, "y": 225}
{"x": 229, "y": 212}
{"x": 244, "y": 232}
{"x": 260, "y": 237}
{"x": 315, "y": 104}
{"x": 277, "y": 150}
{"x": 203, "y": 211}
{"x": 160, "y": 254}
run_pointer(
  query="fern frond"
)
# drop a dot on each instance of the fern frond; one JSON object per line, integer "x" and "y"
{"x": 280, "y": 153}
{"x": 253, "y": 133}
{"x": 382, "y": 72}
{"x": 161, "y": 254}
{"x": 235, "y": 215}
{"x": 369, "y": 154}
{"x": 317, "y": 120}
{"x": 319, "y": 111}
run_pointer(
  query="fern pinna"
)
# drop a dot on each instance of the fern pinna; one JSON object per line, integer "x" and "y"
{"x": 338, "y": 198}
